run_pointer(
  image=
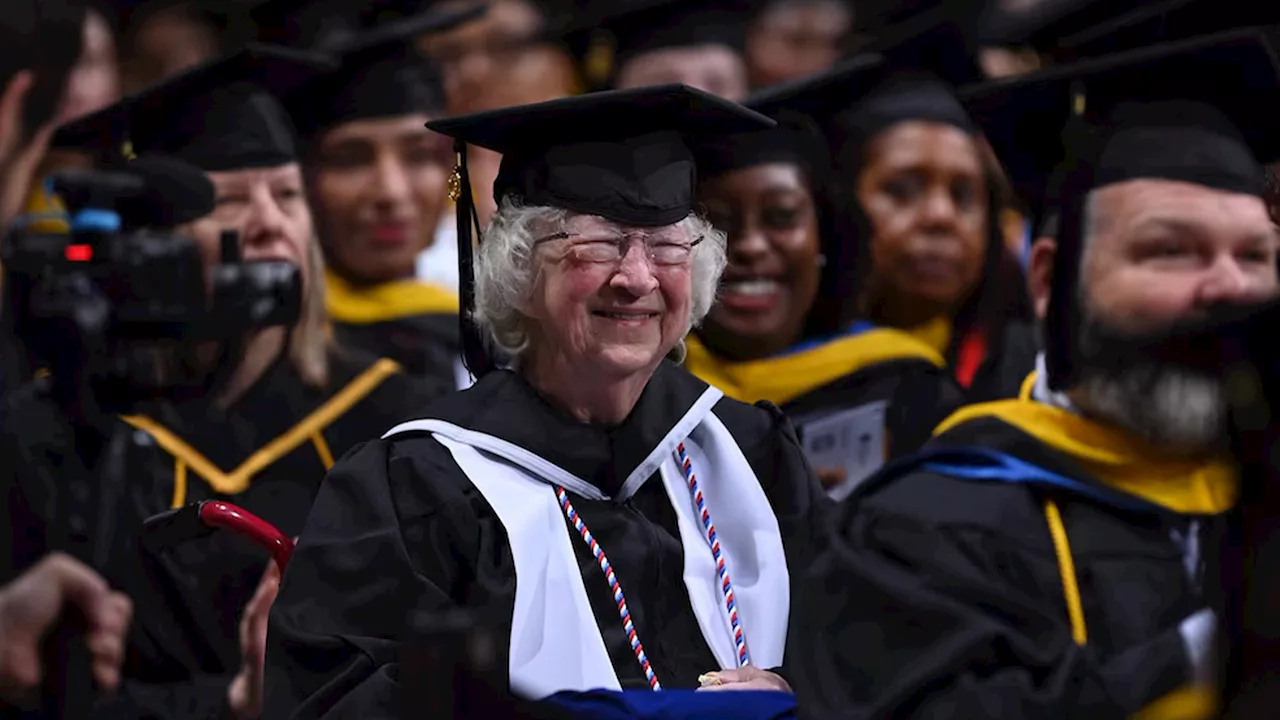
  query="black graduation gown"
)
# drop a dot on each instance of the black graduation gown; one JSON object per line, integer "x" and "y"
{"x": 943, "y": 596}
{"x": 184, "y": 641}
{"x": 398, "y": 528}
{"x": 411, "y": 322}
{"x": 825, "y": 386}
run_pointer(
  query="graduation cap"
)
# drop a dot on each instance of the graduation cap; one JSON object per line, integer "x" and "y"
{"x": 612, "y": 32}
{"x": 307, "y": 24}
{"x": 861, "y": 96}
{"x": 1046, "y": 121}
{"x": 174, "y": 193}
{"x": 1201, "y": 111}
{"x": 938, "y": 37}
{"x": 908, "y": 72}
{"x": 1073, "y": 29}
{"x": 221, "y": 115}
{"x": 381, "y": 74}
{"x": 624, "y": 155}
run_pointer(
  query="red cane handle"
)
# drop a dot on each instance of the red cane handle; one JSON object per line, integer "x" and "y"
{"x": 222, "y": 515}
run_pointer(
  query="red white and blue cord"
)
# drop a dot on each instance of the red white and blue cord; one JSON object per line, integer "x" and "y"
{"x": 603, "y": 561}
{"x": 726, "y": 585}
{"x": 713, "y": 539}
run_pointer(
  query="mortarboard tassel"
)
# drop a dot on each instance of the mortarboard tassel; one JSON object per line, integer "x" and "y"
{"x": 474, "y": 355}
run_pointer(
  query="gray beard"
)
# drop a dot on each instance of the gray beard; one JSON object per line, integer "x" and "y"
{"x": 1170, "y": 406}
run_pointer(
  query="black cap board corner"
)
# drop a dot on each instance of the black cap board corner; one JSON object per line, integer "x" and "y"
{"x": 863, "y": 95}
{"x": 329, "y": 24}
{"x": 909, "y": 71}
{"x": 1204, "y": 111}
{"x": 175, "y": 193}
{"x": 621, "y": 154}
{"x": 381, "y": 73}
{"x": 1077, "y": 29}
{"x": 222, "y": 115}
{"x": 825, "y": 94}
{"x": 938, "y": 39}
{"x": 606, "y": 34}
{"x": 1038, "y": 122}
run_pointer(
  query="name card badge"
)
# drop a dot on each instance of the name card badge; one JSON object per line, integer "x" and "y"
{"x": 852, "y": 440}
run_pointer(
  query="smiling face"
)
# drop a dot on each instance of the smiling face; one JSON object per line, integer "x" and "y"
{"x": 924, "y": 190}
{"x": 379, "y": 187}
{"x": 769, "y": 215}
{"x": 616, "y": 319}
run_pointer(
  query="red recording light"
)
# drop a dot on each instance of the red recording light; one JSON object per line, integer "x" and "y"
{"x": 79, "y": 253}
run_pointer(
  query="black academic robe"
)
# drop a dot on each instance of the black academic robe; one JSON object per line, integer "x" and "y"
{"x": 425, "y": 345}
{"x": 856, "y": 400}
{"x": 411, "y": 322}
{"x": 398, "y": 528}
{"x": 942, "y": 592}
{"x": 267, "y": 453}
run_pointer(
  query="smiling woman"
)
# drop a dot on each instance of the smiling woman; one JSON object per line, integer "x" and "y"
{"x": 781, "y": 329}
{"x": 561, "y": 492}
{"x": 377, "y": 181}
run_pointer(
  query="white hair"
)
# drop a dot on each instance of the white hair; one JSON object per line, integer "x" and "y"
{"x": 505, "y": 273}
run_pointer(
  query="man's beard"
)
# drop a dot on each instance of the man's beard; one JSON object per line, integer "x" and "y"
{"x": 1123, "y": 380}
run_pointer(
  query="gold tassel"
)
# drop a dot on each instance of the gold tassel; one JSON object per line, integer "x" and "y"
{"x": 455, "y": 180}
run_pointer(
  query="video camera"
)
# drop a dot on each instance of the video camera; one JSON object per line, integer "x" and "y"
{"x": 113, "y": 303}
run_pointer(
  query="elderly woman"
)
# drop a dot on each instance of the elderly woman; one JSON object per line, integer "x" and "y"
{"x": 623, "y": 523}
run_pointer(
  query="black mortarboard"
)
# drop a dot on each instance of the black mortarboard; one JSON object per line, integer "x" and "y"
{"x": 1074, "y": 29}
{"x": 221, "y": 115}
{"x": 795, "y": 139}
{"x": 623, "y": 155}
{"x": 323, "y": 24}
{"x": 1040, "y": 122}
{"x": 1203, "y": 111}
{"x": 381, "y": 74}
{"x": 936, "y": 38}
{"x": 863, "y": 95}
{"x": 175, "y": 193}
{"x": 907, "y": 73}
{"x": 608, "y": 33}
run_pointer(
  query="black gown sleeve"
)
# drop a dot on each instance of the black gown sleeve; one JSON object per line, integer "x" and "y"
{"x": 798, "y": 502}
{"x": 386, "y": 537}
{"x": 906, "y": 618}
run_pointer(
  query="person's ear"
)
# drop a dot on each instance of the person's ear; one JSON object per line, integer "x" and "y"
{"x": 1040, "y": 273}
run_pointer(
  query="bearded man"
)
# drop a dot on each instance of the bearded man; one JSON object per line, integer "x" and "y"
{"x": 1053, "y": 555}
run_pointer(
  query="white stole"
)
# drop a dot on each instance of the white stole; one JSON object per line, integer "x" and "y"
{"x": 555, "y": 642}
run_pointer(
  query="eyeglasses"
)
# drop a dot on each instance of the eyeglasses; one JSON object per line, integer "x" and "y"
{"x": 610, "y": 249}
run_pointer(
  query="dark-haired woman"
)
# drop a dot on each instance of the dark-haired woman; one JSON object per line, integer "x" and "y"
{"x": 934, "y": 261}
{"x": 781, "y": 330}
{"x": 924, "y": 199}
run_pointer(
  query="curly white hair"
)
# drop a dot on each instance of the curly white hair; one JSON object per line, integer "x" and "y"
{"x": 505, "y": 272}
